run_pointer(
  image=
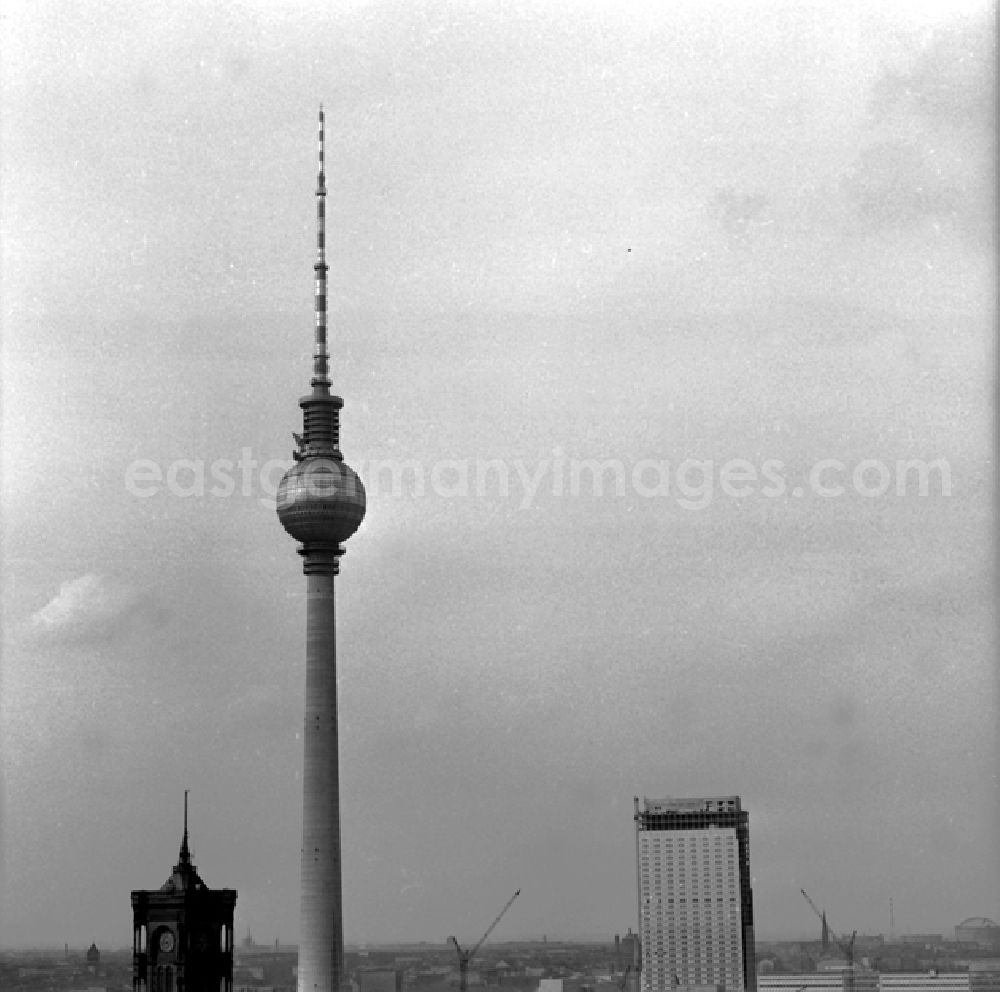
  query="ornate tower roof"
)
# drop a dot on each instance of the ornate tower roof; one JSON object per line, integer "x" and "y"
{"x": 184, "y": 877}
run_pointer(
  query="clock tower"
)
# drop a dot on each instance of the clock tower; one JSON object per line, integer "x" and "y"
{"x": 182, "y": 933}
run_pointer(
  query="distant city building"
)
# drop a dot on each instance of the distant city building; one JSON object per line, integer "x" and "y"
{"x": 182, "y": 933}
{"x": 873, "y": 940}
{"x": 695, "y": 902}
{"x": 837, "y": 964}
{"x": 984, "y": 975}
{"x": 93, "y": 960}
{"x": 979, "y": 931}
{"x": 923, "y": 939}
{"x": 862, "y": 980}
{"x": 382, "y": 980}
{"x": 573, "y": 984}
{"x": 247, "y": 973}
{"x": 628, "y": 951}
{"x": 809, "y": 982}
{"x": 927, "y": 981}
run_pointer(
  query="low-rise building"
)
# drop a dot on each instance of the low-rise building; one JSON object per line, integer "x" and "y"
{"x": 863, "y": 980}
{"x": 380, "y": 980}
{"x": 978, "y": 931}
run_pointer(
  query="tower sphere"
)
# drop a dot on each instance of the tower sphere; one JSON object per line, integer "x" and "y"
{"x": 321, "y": 499}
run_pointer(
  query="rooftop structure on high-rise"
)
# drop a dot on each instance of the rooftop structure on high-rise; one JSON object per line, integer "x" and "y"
{"x": 320, "y": 503}
{"x": 695, "y": 903}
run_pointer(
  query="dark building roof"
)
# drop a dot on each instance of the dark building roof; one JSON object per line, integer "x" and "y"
{"x": 184, "y": 877}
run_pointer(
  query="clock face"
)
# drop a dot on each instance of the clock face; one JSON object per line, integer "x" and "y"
{"x": 166, "y": 941}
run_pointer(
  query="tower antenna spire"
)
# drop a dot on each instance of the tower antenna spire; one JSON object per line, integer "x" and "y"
{"x": 185, "y": 856}
{"x": 321, "y": 356}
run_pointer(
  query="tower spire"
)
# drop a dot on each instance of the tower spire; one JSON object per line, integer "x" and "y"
{"x": 185, "y": 855}
{"x": 321, "y": 356}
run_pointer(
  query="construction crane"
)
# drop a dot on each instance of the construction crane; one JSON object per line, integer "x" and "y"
{"x": 464, "y": 957}
{"x": 847, "y": 946}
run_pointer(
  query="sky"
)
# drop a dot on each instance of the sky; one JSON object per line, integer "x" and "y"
{"x": 665, "y": 333}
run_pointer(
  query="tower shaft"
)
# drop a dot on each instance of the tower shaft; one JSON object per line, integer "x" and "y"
{"x": 321, "y": 947}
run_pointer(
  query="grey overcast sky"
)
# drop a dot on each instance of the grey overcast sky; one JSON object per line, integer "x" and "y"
{"x": 741, "y": 255}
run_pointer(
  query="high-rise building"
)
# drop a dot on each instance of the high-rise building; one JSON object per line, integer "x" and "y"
{"x": 320, "y": 503}
{"x": 182, "y": 933}
{"x": 695, "y": 903}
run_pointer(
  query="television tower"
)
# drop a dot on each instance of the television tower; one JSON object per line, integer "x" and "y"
{"x": 320, "y": 502}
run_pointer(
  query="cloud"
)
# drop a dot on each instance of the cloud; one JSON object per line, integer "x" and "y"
{"x": 93, "y": 607}
{"x": 950, "y": 81}
{"x": 896, "y": 183}
{"x": 739, "y": 213}
{"x": 931, "y": 153}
